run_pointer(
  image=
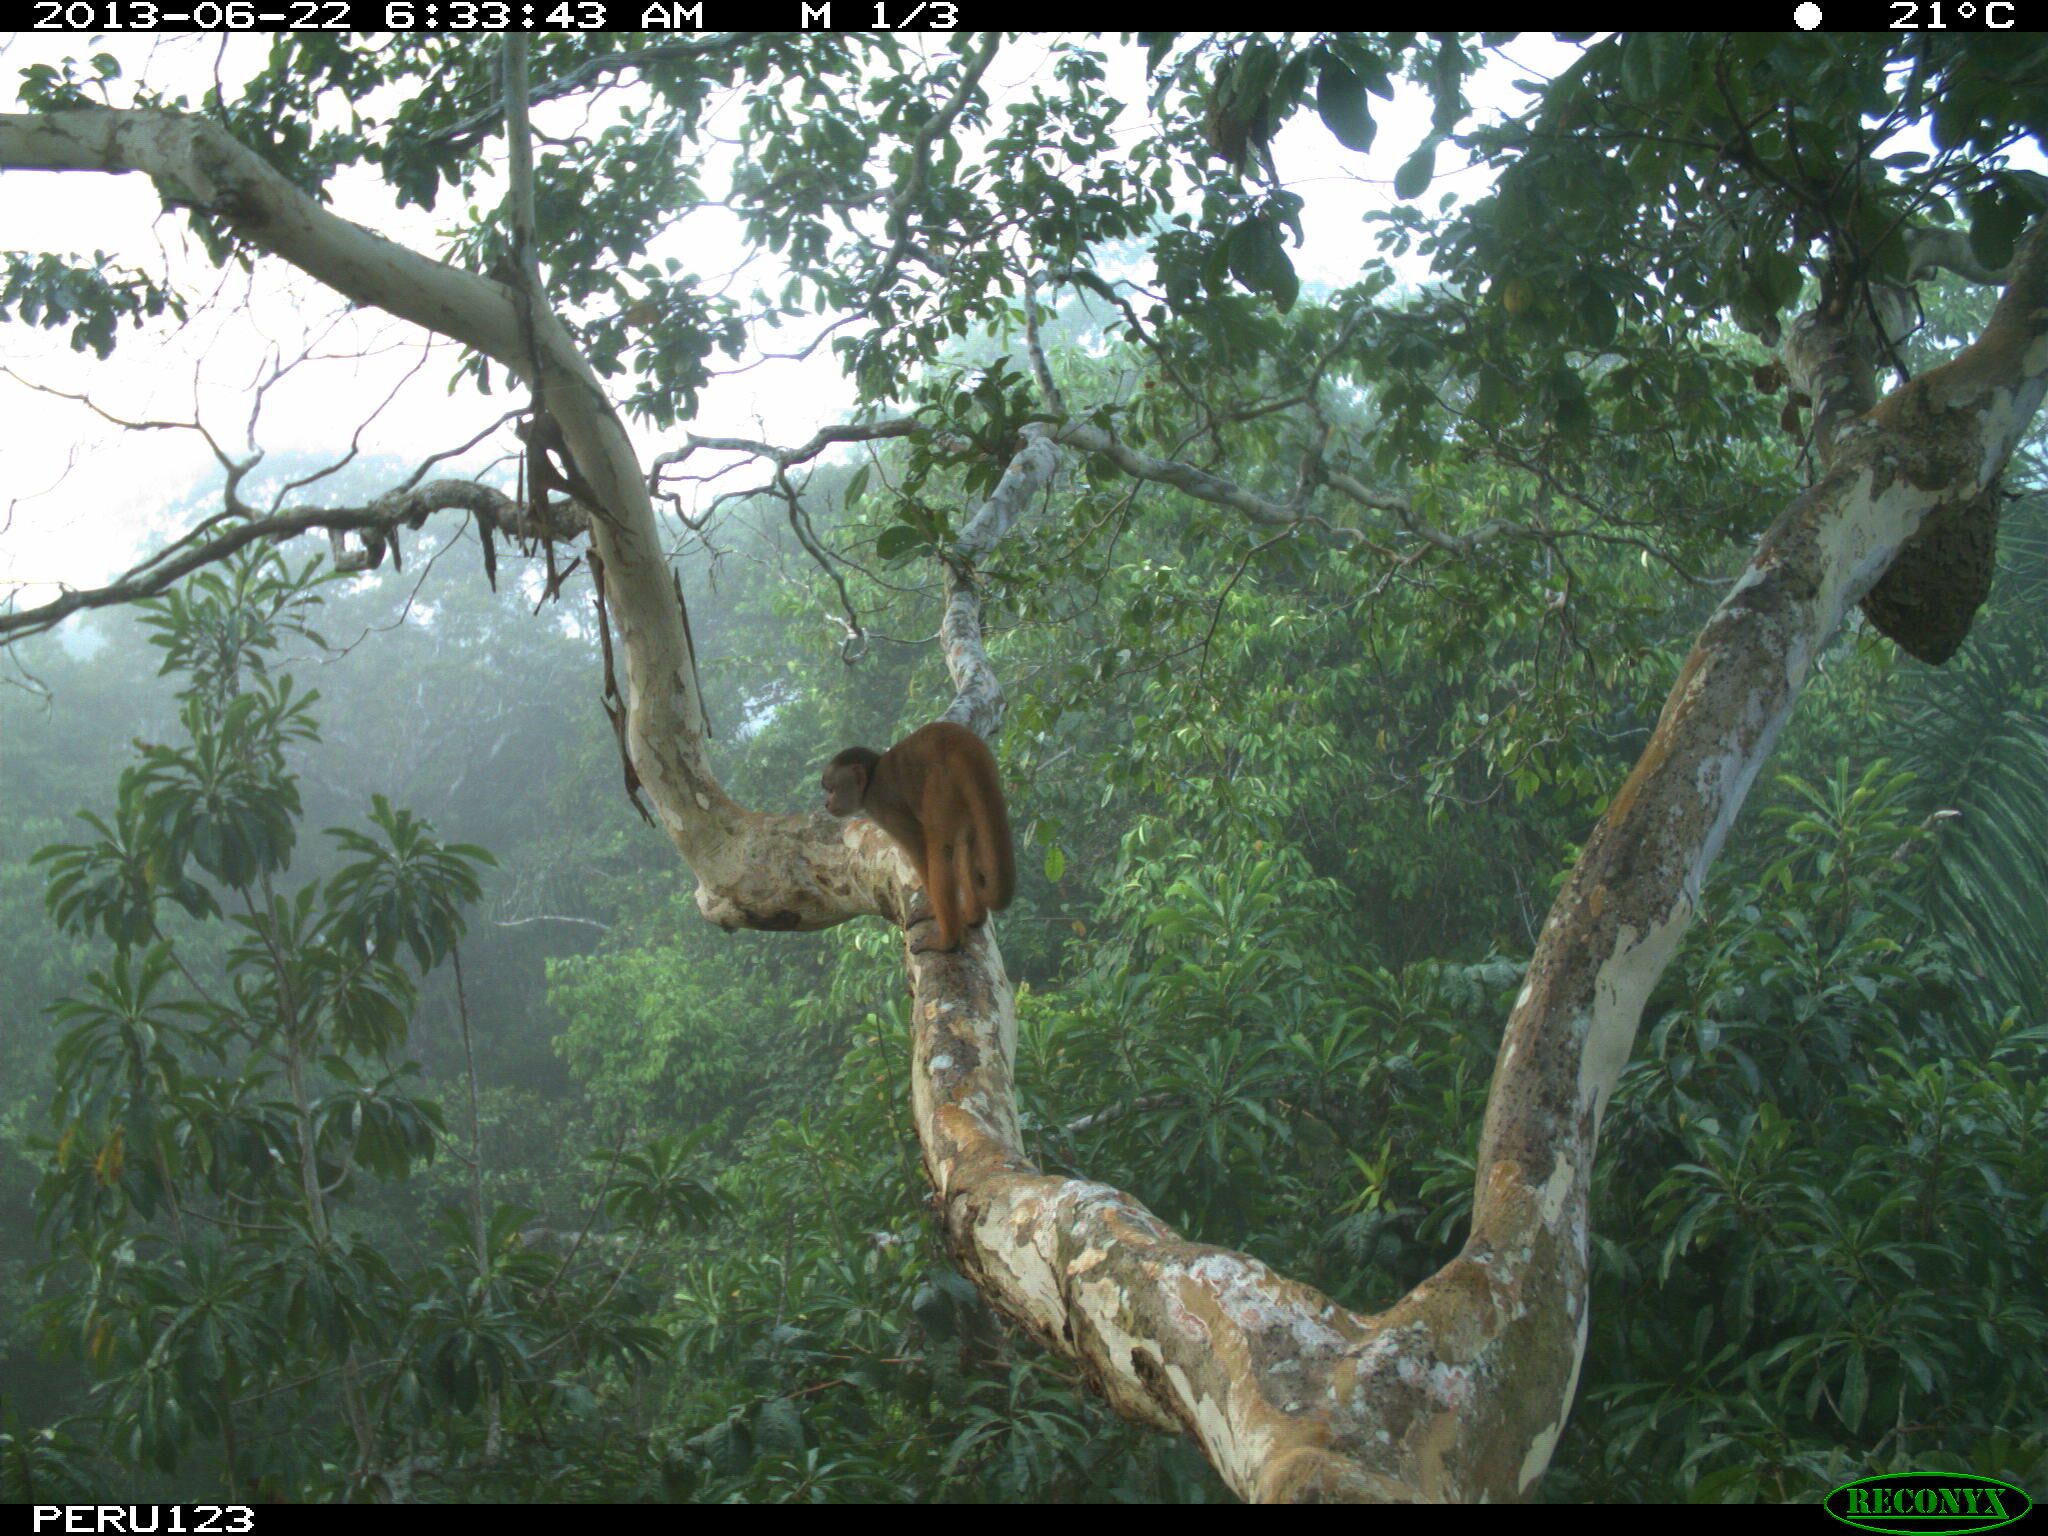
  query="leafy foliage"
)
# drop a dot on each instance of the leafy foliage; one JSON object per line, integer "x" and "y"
{"x": 1296, "y": 807}
{"x": 220, "y": 1110}
{"x": 92, "y": 297}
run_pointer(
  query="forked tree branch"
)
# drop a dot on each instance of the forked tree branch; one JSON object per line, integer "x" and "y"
{"x": 1460, "y": 1390}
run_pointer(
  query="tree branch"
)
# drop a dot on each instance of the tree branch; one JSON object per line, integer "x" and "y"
{"x": 407, "y": 508}
{"x": 910, "y": 190}
{"x": 1460, "y": 1390}
{"x": 475, "y": 127}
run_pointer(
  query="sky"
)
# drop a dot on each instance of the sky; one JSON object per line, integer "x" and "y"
{"x": 81, "y": 497}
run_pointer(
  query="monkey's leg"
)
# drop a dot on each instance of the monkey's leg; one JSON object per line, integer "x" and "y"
{"x": 909, "y": 836}
{"x": 973, "y": 905}
{"x": 941, "y": 884}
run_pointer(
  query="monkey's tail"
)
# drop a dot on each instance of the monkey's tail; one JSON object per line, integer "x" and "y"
{"x": 992, "y": 833}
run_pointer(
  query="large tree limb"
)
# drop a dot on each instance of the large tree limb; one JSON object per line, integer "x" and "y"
{"x": 1948, "y": 249}
{"x": 200, "y": 163}
{"x": 1928, "y": 597}
{"x": 1460, "y": 1390}
{"x": 758, "y": 871}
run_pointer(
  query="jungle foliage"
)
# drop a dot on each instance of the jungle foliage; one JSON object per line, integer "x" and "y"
{"x": 363, "y": 1163}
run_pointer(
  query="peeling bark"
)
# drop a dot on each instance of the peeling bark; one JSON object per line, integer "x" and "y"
{"x": 1927, "y": 599}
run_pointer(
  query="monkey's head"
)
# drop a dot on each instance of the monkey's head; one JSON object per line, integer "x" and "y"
{"x": 846, "y": 779}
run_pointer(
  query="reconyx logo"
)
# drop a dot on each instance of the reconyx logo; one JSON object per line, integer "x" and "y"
{"x": 1912, "y": 1502}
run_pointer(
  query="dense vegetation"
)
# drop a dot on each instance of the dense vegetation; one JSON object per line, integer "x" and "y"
{"x": 1821, "y": 1228}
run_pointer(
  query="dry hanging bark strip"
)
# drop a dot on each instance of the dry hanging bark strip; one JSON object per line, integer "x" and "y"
{"x": 613, "y": 701}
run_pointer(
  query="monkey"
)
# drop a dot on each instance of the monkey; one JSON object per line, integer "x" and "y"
{"x": 937, "y": 794}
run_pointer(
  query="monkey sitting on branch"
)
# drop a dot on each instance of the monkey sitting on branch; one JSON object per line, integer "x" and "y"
{"x": 936, "y": 792}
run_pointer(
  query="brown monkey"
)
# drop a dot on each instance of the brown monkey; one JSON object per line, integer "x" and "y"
{"x": 937, "y": 794}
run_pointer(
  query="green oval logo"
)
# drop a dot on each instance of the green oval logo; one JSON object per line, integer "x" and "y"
{"x": 1908, "y": 1503}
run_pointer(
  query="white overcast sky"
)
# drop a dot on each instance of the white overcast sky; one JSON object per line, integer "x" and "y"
{"x": 80, "y": 497}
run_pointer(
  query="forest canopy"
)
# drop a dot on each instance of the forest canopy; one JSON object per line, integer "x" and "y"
{"x": 1506, "y": 580}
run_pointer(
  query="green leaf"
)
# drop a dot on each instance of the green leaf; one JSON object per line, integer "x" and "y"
{"x": 898, "y": 542}
{"x": 1637, "y": 79}
{"x": 1055, "y": 864}
{"x": 1855, "y": 1390}
{"x": 1995, "y": 224}
{"x": 1415, "y": 175}
{"x": 1258, "y": 259}
{"x": 1340, "y": 99}
{"x": 1597, "y": 315}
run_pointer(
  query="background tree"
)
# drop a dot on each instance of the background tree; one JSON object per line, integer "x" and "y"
{"x": 223, "y": 1098}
